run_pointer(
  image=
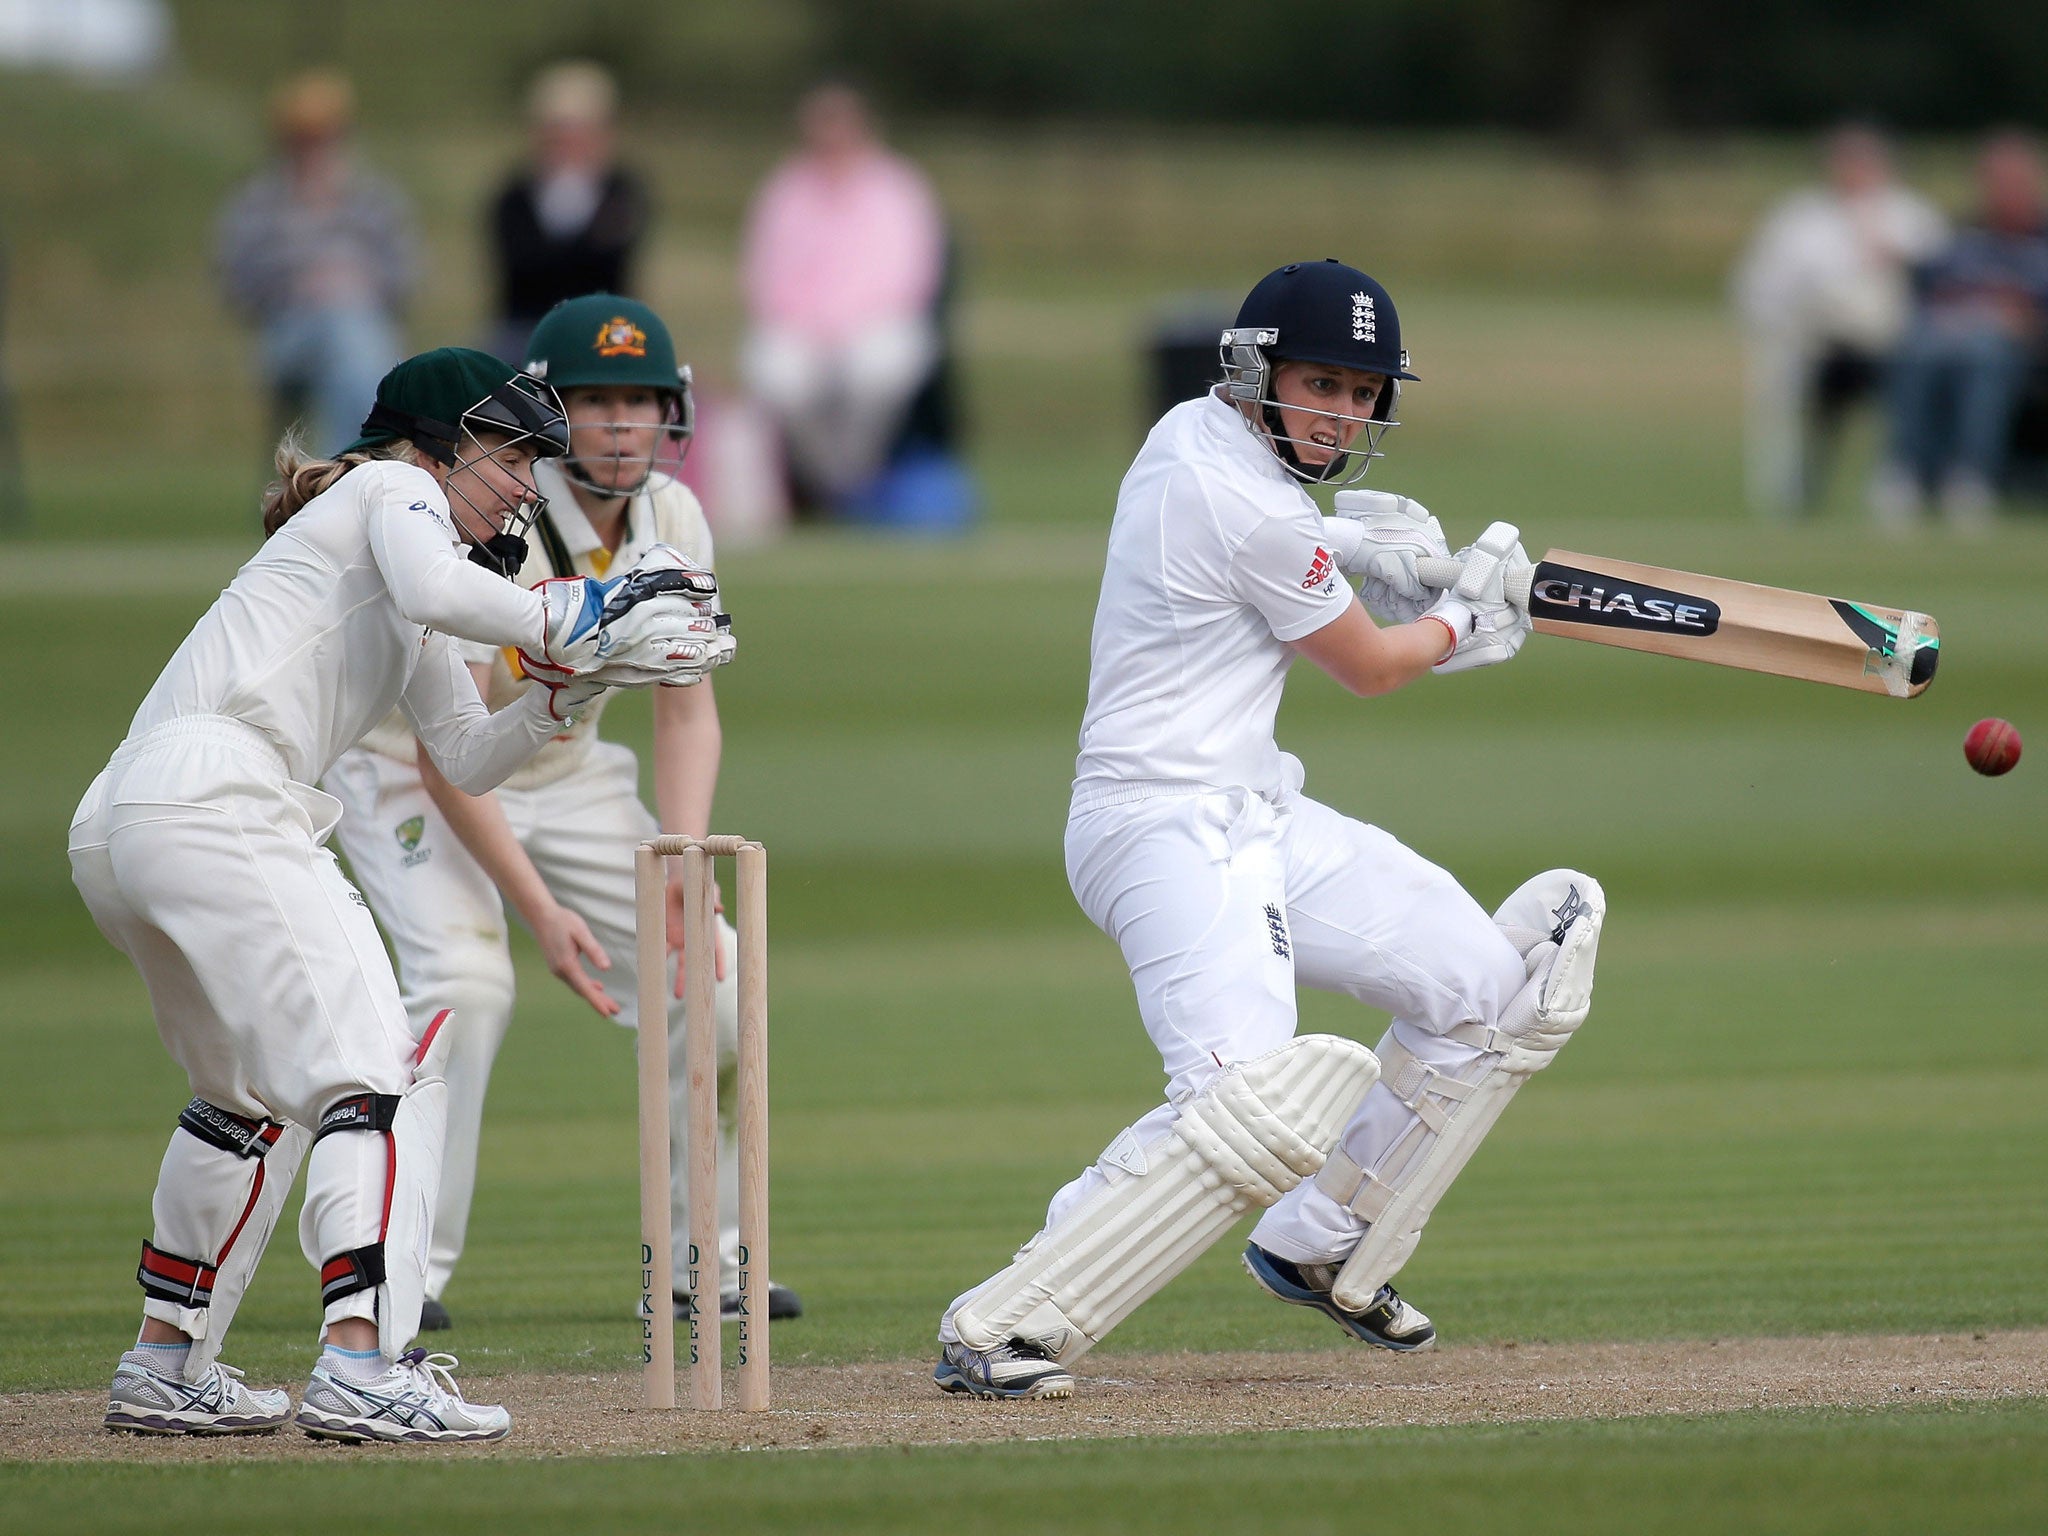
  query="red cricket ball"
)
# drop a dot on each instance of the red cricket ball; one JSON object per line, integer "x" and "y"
{"x": 1992, "y": 746}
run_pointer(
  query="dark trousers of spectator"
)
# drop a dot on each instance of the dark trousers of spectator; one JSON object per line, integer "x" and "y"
{"x": 323, "y": 364}
{"x": 1841, "y": 378}
{"x": 1951, "y": 398}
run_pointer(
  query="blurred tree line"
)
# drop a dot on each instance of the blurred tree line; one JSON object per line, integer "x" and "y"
{"x": 1598, "y": 72}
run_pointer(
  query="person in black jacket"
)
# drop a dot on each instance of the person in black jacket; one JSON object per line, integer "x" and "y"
{"x": 568, "y": 222}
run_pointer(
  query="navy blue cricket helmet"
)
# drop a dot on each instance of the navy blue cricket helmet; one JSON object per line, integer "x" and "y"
{"x": 1316, "y": 312}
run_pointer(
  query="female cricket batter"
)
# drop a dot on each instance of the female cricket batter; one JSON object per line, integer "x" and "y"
{"x": 1190, "y": 843}
{"x": 200, "y": 853}
{"x": 556, "y": 839}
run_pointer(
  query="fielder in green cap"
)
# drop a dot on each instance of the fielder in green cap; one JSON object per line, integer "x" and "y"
{"x": 555, "y": 840}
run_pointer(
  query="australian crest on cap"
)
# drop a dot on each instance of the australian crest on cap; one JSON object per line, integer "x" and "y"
{"x": 620, "y": 337}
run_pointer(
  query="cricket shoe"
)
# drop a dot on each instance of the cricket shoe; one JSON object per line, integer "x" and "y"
{"x": 1388, "y": 1322}
{"x": 1016, "y": 1369}
{"x": 783, "y": 1304}
{"x": 434, "y": 1317}
{"x": 414, "y": 1400}
{"x": 144, "y": 1401}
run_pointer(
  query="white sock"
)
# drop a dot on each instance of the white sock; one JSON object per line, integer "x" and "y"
{"x": 362, "y": 1364}
{"x": 165, "y": 1359}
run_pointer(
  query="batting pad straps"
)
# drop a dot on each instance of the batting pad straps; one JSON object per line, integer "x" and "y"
{"x": 1554, "y": 920}
{"x": 360, "y": 1269}
{"x": 181, "y": 1282}
{"x": 230, "y": 1132}
{"x": 358, "y": 1112}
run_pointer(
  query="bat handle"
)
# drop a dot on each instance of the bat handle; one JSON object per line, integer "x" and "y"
{"x": 1444, "y": 573}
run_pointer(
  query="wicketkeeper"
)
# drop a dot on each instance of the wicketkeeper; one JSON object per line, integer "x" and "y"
{"x": 201, "y": 850}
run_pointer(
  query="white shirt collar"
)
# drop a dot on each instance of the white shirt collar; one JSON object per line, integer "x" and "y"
{"x": 1223, "y": 418}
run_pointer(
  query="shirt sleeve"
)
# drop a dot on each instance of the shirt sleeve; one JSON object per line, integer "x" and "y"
{"x": 472, "y": 747}
{"x": 1291, "y": 578}
{"x": 413, "y": 541}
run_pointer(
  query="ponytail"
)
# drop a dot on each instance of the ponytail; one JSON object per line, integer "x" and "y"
{"x": 301, "y": 477}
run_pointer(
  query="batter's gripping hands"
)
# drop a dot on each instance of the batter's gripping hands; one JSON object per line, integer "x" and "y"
{"x": 657, "y": 623}
{"x": 1378, "y": 536}
{"x": 1498, "y": 627}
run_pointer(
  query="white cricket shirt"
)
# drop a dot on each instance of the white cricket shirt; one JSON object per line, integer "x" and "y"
{"x": 1215, "y": 563}
{"x": 346, "y": 611}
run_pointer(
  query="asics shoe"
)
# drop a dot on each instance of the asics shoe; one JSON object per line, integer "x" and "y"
{"x": 1388, "y": 1322}
{"x": 415, "y": 1399}
{"x": 1016, "y": 1369}
{"x": 144, "y": 1401}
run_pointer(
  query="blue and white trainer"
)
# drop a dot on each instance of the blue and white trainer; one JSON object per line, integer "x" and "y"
{"x": 144, "y": 1401}
{"x": 1013, "y": 1370}
{"x": 415, "y": 1399}
{"x": 1389, "y": 1323}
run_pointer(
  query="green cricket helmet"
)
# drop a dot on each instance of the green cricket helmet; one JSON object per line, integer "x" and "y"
{"x": 604, "y": 340}
{"x": 438, "y": 400}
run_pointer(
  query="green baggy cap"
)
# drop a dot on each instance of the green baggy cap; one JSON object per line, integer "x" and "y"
{"x": 431, "y": 399}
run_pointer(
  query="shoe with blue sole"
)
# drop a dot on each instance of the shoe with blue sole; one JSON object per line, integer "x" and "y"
{"x": 1389, "y": 1323}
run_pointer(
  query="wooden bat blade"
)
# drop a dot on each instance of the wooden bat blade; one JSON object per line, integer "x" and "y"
{"x": 1735, "y": 624}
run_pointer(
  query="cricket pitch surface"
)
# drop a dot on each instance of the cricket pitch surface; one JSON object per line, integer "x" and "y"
{"x": 894, "y": 1403}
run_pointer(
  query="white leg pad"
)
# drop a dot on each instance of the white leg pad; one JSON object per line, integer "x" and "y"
{"x": 419, "y": 1136}
{"x": 280, "y": 1168}
{"x": 1254, "y": 1133}
{"x": 1554, "y": 920}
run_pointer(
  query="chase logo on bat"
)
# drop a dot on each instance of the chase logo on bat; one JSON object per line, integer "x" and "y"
{"x": 1568, "y": 596}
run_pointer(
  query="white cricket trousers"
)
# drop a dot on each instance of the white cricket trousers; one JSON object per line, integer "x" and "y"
{"x": 204, "y": 863}
{"x": 446, "y": 921}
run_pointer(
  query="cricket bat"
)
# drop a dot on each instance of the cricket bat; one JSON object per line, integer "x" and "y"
{"x": 1729, "y": 623}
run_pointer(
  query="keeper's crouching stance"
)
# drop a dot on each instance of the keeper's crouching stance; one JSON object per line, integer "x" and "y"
{"x": 201, "y": 851}
{"x": 1190, "y": 843}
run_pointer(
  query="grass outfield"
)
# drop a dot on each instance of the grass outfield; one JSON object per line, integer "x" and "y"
{"x": 1982, "y": 1469}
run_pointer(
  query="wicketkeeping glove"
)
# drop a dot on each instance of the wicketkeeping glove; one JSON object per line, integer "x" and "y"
{"x": 656, "y": 623}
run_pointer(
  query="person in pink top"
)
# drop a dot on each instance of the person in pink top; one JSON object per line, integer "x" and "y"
{"x": 844, "y": 255}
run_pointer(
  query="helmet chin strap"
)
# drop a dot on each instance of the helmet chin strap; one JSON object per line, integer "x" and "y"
{"x": 502, "y": 554}
{"x": 1283, "y": 446}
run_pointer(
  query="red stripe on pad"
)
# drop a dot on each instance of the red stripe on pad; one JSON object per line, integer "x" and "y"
{"x": 427, "y": 1039}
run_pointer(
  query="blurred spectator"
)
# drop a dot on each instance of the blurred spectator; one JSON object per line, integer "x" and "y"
{"x": 567, "y": 223}
{"x": 1964, "y": 360}
{"x": 319, "y": 253}
{"x": 101, "y": 40}
{"x": 844, "y": 274}
{"x": 1823, "y": 293}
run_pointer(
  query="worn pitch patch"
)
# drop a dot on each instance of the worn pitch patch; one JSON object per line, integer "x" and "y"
{"x": 1125, "y": 1396}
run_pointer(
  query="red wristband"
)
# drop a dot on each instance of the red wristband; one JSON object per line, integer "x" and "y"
{"x": 1448, "y": 631}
